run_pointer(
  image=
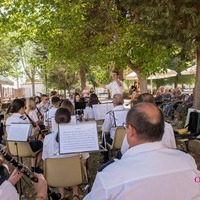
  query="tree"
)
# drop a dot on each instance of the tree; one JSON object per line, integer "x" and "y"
{"x": 172, "y": 22}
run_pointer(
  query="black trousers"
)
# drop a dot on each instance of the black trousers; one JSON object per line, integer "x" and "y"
{"x": 36, "y": 145}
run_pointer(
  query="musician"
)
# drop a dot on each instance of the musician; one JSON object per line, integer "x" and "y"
{"x": 168, "y": 138}
{"x": 68, "y": 104}
{"x": 8, "y": 191}
{"x": 108, "y": 126}
{"x": 148, "y": 170}
{"x": 55, "y": 103}
{"x": 18, "y": 110}
{"x": 43, "y": 105}
{"x": 31, "y": 111}
{"x": 116, "y": 86}
{"x": 88, "y": 111}
{"x": 51, "y": 146}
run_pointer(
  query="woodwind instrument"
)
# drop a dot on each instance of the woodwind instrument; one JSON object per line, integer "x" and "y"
{"x": 27, "y": 172}
{"x": 41, "y": 133}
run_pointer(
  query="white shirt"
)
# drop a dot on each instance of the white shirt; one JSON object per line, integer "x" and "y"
{"x": 8, "y": 191}
{"x": 42, "y": 107}
{"x": 15, "y": 118}
{"x": 33, "y": 115}
{"x": 168, "y": 139}
{"x": 49, "y": 115}
{"x": 88, "y": 113}
{"x": 109, "y": 123}
{"x": 148, "y": 171}
{"x": 114, "y": 88}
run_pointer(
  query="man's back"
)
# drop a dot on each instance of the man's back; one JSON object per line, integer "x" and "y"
{"x": 148, "y": 172}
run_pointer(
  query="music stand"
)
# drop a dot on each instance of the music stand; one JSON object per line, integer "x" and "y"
{"x": 79, "y": 107}
{"x": 5, "y": 106}
{"x": 78, "y": 138}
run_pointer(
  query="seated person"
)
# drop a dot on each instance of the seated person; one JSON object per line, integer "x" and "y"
{"x": 55, "y": 103}
{"x": 168, "y": 138}
{"x": 88, "y": 111}
{"x": 7, "y": 183}
{"x": 51, "y": 146}
{"x": 18, "y": 110}
{"x": 108, "y": 126}
{"x": 148, "y": 170}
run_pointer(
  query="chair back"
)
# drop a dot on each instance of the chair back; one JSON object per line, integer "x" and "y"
{"x": 99, "y": 125}
{"x": 118, "y": 138}
{"x": 64, "y": 172}
{"x": 21, "y": 149}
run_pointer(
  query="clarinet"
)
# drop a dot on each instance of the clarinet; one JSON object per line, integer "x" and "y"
{"x": 34, "y": 125}
{"x": 39, "y": 113}
{"x": 26, "y": 171}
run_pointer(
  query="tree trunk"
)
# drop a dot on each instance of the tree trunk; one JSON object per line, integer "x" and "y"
{"x": 83, "y": 77}
{"x": 33, "y": 86}
{"x": 196, "y": 103}
{"x": 143, "y": 83}
{"x": 142, "y": 80}
{"x": 65, "y": 93}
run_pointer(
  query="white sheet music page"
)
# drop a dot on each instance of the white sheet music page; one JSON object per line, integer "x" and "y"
{"x": 19, "y": 132}
{"x": 100, "y": 110}
{"x": 76, "y": 138}
{"x": 120, "y": 117}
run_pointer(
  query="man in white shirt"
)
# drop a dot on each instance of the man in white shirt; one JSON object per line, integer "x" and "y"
{"x": 109, "y": 125}
{"x": 168, "y": 138}
{"x": 148, "y": 170}
{"x": 116, "y": 86}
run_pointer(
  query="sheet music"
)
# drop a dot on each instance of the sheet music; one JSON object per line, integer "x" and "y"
{"x": 100, "y": 110}
{"x": 19, "y": 132}
{"x": 120, "y": 117}
{"x": 81, "y": 137}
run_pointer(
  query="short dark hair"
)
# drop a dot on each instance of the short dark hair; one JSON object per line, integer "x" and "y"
{"x": 115, "y": 71}
{"x": 146, "y": 97}
{"x": 149, "y": 126}
{"x": 55, "y": 100}
{"x": 62, "y": 115}
{"x": 68, "y": 104}
{"x": 16, "y": 105}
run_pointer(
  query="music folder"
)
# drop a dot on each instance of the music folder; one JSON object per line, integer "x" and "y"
{"x": 77, "y": 138}
{"x": 19, "y": 132}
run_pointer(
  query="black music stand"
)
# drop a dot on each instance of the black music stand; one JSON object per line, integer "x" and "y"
{"x": 79, "y": 107}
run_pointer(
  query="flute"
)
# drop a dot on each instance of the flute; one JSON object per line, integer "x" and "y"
{"x": 26, "y": 171}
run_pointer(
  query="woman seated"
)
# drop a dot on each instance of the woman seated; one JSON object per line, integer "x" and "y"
{"x": 18, "y": 111}
{"x": 51, "y": 146}
{"x": 88, "y": 111}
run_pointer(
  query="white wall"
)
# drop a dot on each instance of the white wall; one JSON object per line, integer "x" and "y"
{"x": 39, "y": 88}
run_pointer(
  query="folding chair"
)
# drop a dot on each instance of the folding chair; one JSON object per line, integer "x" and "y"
{"x": 65, "y": 172}
{"x": 21, "y": 149}
{"x": 117, "y": 140}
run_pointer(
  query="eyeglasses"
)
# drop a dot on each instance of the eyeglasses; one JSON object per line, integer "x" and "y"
{"x": 125, "y": 126}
